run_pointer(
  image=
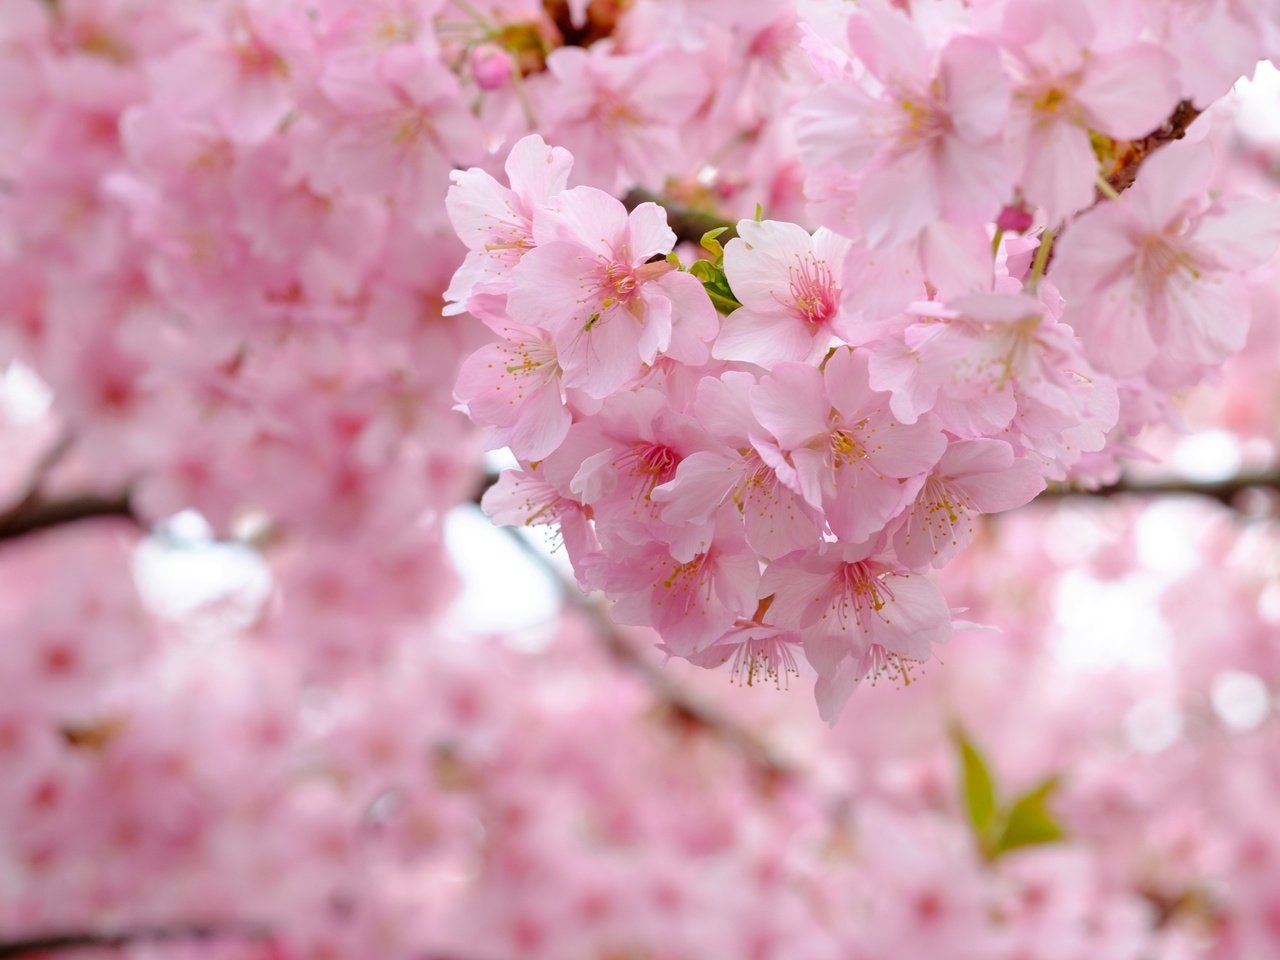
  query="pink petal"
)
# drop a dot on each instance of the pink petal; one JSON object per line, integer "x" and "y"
{"x": 649, "y": 233}
{"x": 759, "y": 262}
{"x": 553, "y": 289}
{"x": 537, "y": 172}
{"x": 890, "y": 45}
{"x": 791, "y": 404}
{"x": 915, "y": 619}
{"x": 896, "y": 201}
{"x": 763, "y": 338}
{"x": 1129, "y": 92}
{"x": 1061, "y": 170}
{"x": 1171, "y": 179}
{"x": 976, "y": 87}
{"x": 586, "y": 216}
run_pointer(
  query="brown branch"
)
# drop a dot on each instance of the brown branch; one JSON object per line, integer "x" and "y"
{"x": 688, "y": 223}
{"x": 1227, "y": 492}
{"x": 599, "y": 23}
{"x": 35, "y": 513}
{"x": 78, "y": 940}
{"x": 1129, "y": 155}
{"x": 683, "y": 706}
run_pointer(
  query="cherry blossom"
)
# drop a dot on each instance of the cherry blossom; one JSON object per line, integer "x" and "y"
{"x": 1168, "y": 297}
{"x": 272, "y": 276}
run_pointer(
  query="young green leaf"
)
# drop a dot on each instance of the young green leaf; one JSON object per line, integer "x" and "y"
{"x": 978, "y": 789}
{"x": 1029, "y": 821}
{"x": 712, "y": 245}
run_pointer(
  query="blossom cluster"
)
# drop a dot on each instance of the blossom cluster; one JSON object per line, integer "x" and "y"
{"x": 762, "y": 453}
{"x": 227, "y": 258}
{"x": 481, "y": 799}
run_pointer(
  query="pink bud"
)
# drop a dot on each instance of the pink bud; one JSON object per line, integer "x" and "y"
{"x": 491, "y": 66}
{"x": 1015, "y": 218}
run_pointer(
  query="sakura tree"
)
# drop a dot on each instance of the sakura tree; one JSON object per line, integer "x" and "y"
{"x": 766, "y": 311}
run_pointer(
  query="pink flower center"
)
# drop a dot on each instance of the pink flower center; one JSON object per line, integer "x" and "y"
{"x": 813, "y": 291}
{"x": 532, "y": 359}
{"x": 863, "y": 594}
{"x": 619, "y": 280}
{"x": 942, "y": 510}
{"x": 921, "y": 121}
{"x": 847, "y": 446}
{"x": 653, "y": 464}
{"x": 1160, "y": 258}
{"x": 766, "y": 655}
{"x": 690, "y": 585}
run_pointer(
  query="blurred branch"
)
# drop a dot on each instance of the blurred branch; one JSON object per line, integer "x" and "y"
{"x": 684, "y": 707}
{"x": 48, "y": 943}
{"x": 1227, "y": 492}
{"x": 35, "y": 513}
{"x": 687, "y": 222}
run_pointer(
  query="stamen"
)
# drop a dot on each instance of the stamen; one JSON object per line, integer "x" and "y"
{"x": 813, "y": 292}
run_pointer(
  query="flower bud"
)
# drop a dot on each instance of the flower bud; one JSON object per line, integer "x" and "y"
{"x": 490, "y": 66}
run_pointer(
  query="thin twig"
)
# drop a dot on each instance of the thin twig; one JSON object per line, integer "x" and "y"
{"x": 683, "y": 705}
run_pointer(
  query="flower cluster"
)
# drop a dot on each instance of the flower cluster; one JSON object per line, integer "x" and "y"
{"x": 753, "y": 483}
{"x": 763, "y": 453}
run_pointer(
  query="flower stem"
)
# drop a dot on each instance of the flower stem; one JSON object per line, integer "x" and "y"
{"x": 1106, "y": 189}
{"x": 1042, "y": 259}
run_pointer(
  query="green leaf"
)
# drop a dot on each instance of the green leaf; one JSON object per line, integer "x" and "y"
{"x": 712, "y": 245}
{"x": 977, "y": 785}
{"x": 1029, "y": 821}
{"x": 725, "y": 305}
{"x": 716, "y": 284}
{"x": 704, "y": 270}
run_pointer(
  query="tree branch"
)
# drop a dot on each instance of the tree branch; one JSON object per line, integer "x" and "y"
{"x": 1227, "y": 492}
{"x": 78, "y": 940}
{"x": 687, "y": 222}
{"x": 1130, "y": 155}
{"x": 684, "y": 707}
{"x": 35, "y": 513}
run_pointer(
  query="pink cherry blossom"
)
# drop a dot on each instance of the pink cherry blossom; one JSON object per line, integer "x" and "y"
{"x": 1153, "y": 280}
{"x": 496, "y": 222}
{"x": 617, "y": 112}
{"x": 920, "y": 127}
{"x": 396, "y": 126}
{"x": 590, "y": 282}
{"x": 841, "y": 448}
{"x": 858, "y": 613}
{"x": 789, "y": 284}
{"x": 1070, "y": 79}
{"x": 973, "y": 477}
{"x": 514, "y": 385}
{"x": 775, "y": 517}
{"x": 689, "y": 602}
